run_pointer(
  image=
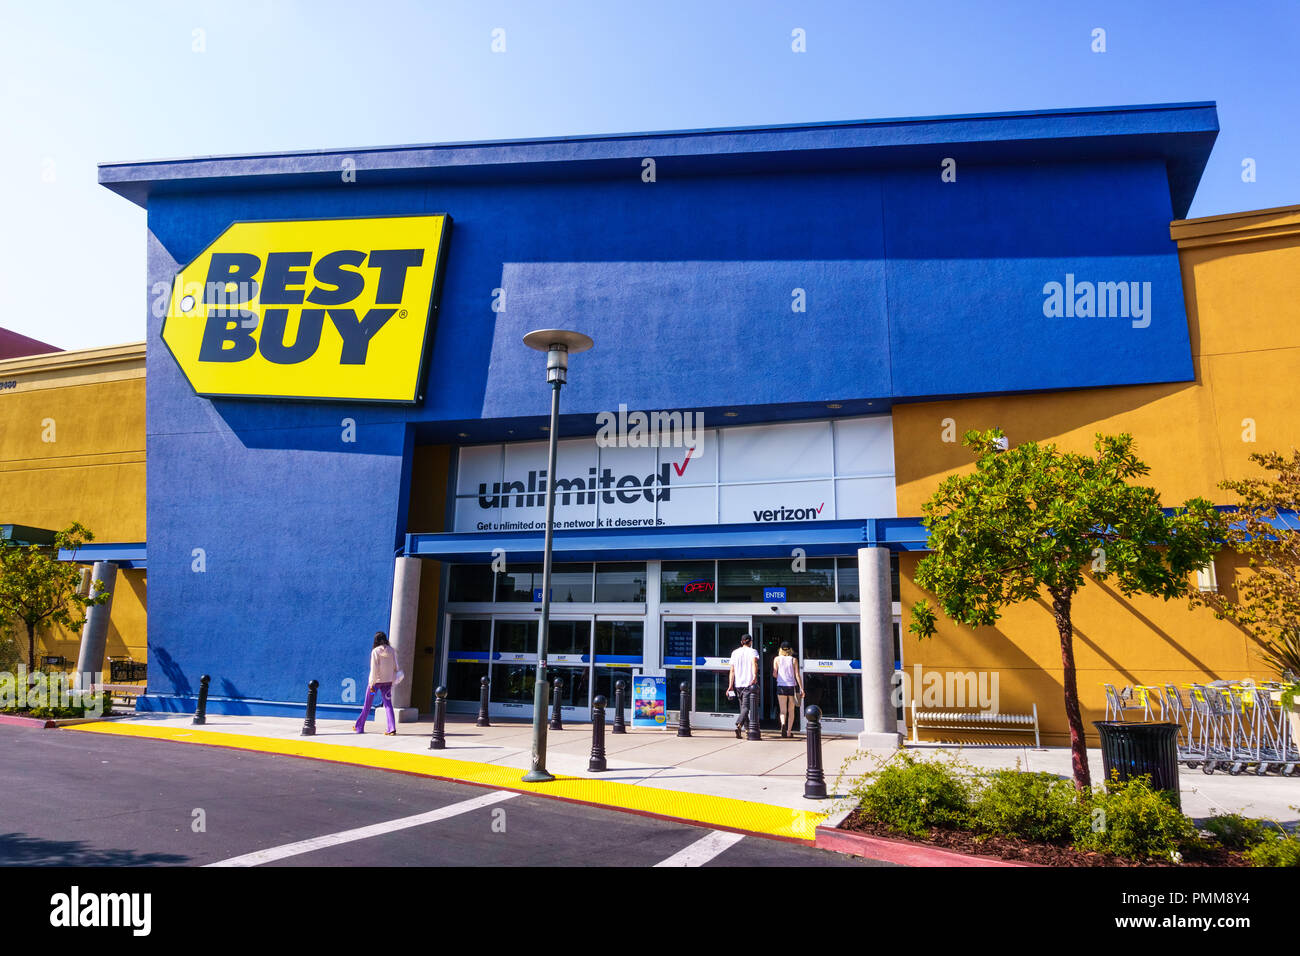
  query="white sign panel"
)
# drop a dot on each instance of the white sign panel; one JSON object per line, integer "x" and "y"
{"x": 802, "y": 471}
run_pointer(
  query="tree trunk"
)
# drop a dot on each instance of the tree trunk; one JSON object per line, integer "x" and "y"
{"x": 1065, "y": 629}
{"x": 31, "y": 649}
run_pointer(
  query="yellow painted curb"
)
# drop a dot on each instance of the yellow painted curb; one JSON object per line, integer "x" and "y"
{"x": 700, "y": 808}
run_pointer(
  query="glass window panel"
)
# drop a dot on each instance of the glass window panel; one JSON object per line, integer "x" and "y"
{"x": 470, "y": 582}
{"x": 838, "y": 695}
{"x": 849, "y": 579}
{"x": 569, "y": 637}
{"x": 464, "y": 680}
{"x": 688, "y": 581}
{"x": 516, "y": 637}
{"x": 677, "y": 642}
{"x": 469, "y": 635}
{"x": 570, "y": 583}
{"x": 745, "y": 580}
{"x": 620, "y": 582}
{"x": 574, "y": 685}
{"x": 623, "y": 638}
{"x": 711, "y": 693}
{"x": 513, "y": 683}
{"x": 820, "y": 640}
{"x": 850, "y": 645}
{"x": 849, "y": 586}
{"x": 605, "y": 679}
{"x": 718, "y": 638}
{"x": 516, "y": 584}
{"x": 674, "y": 696}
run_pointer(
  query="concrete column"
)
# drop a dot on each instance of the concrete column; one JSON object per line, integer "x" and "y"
{"x": 401, "y": 632}
{"x": 879, "y": 722}
{"x": 94, "y": 633}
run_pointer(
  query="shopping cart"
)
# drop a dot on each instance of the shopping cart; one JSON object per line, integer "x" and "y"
{"x": 1180, "y": 713}
{"x": 1207, "y": 745}
{"x": 1117, "y": 703}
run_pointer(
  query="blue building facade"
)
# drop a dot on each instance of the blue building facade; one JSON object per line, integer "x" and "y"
{"x": 813, "y": 274}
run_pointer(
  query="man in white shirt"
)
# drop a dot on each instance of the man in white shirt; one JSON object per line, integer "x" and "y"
{"x": 744, "y": 682}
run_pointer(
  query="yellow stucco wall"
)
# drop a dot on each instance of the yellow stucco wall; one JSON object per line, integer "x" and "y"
{"x": 1241, "y": 282}
{"x": 72, "y": 448}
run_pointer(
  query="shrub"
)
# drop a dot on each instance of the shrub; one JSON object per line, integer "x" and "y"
{"x": 1033, "y": 806}
{"x": 910, "y": 795}
{"x": 1240, "y": 833}
{"x": 1132, "y": 820}
{"x": 1276, "y": 850}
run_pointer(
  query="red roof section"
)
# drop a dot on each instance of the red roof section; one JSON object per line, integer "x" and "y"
{"x": 13, "y": 345}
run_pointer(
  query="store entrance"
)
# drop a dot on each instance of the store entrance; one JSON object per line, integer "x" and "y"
{"x": 770, "y": 635}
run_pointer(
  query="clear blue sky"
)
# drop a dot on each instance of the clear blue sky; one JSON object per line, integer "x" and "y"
{"x": 85, "y": 82}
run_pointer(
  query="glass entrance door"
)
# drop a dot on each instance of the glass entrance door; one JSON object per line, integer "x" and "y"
{"x": 832, "y": 673}
{"x": 699, "y": 653}
{"x": 771, "y": 635}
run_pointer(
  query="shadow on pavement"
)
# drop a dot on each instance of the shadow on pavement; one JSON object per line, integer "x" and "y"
{"x": 17, "y": 849}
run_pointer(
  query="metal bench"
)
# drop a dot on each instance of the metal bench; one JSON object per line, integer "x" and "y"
{"x": 120, "y": 693}
{"x": 975, "y": 722}
{"x": 124, "y": 670}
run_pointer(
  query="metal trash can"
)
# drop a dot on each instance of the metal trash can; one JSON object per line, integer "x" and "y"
{"x": 1141, "y": 750}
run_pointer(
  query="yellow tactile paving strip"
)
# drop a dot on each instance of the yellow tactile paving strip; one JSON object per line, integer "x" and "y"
{"x": 714, "y": 811}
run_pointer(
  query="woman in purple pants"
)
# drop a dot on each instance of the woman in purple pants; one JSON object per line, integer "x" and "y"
{"x": 383, "y": 675}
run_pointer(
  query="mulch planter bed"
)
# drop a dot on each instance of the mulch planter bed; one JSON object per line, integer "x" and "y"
{"x": 1025, "y": 851}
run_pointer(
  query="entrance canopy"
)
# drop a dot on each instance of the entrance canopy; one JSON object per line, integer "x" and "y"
{"x": 713, "y": 541}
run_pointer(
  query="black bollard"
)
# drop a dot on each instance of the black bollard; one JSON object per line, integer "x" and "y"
{"x": 752, "y": 732}
{"x": 309, "y": 725}
{"x": 201, "y": 712}
{"x": 684, "y": 711}
{"x": 597, "y": 762}
{"x": 619, "y": 726}
{"x": 483, "y": 704}
{"x": 439, "y": 739}
{"x": 814, "y": 784}
{"x": 557, "y": 721}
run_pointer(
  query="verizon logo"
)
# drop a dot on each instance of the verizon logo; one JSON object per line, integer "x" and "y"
{"x": 809, "y": 513}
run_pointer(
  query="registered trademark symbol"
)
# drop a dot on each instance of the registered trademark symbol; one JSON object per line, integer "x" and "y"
{"x": 402, "y": 314}
{"x": 187, "y": 303}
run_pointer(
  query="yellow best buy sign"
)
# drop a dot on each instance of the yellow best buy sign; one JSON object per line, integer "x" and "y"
{"x": 311, "y": 309}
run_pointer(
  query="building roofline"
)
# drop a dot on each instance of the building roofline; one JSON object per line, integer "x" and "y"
{"x": 1181, "y": 134}
{"x": 652, "y": 134}
{"x": 1242, "y": 226}
{"x": 132, "y": 352}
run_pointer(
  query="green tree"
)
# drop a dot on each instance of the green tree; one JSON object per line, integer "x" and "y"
{"x": 1264, "y": 530}
{"x": 1033, "y": 519}
{"x": 38, "y": 590}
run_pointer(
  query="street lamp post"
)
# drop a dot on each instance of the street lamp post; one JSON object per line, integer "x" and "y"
{"x": 557, "y": 344}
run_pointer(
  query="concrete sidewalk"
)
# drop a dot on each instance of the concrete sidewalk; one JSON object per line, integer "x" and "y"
{"x": 709, "y": 764}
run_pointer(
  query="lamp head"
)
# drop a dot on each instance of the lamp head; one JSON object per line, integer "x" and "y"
{"x": 557, "y": 344}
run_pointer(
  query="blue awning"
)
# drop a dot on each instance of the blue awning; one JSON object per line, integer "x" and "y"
{"x": 126, "y": 556}
{"x": 694, "y": 541}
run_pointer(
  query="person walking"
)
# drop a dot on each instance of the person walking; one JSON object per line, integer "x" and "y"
{"x": 789, "y": 686}
{"x": 743, "y": 683}
{"x": 384, "y": 673}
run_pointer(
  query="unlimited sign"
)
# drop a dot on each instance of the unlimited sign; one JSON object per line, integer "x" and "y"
{"x": 317, "y": 309}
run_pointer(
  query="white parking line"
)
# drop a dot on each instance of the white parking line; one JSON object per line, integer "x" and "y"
{"x": 362, "y": 833}
{"x": 704, "y": 849}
